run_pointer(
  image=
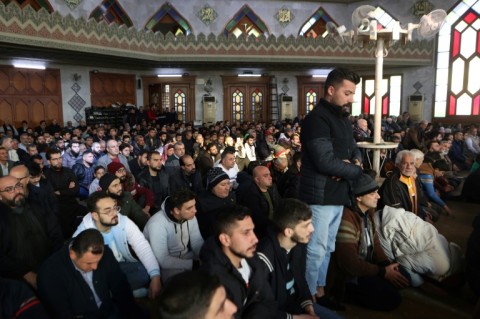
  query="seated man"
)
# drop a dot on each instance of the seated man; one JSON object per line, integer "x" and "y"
{"x": 174, "y": 234}
{"x": 195, "y": 294}
{"x": 284, "y": 252}
{"x": 112, "y": 185}
{"x": 261, "y": 199}
{"x": 85, "y": 173}
{"x": 229, "y": 166}
{"x": 98, "y": 172}
{"x": 360, "y": 273}
{"x": 186, "y": 177}
{"x": 96, "y": 285}
{"x": 29, "y": 233}
{"x": 231, "y": 255}
{"x": 402, "y": 188}
{"x": 120, "y": 234}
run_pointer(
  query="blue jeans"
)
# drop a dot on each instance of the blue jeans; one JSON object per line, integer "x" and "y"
{"x": 136, "y": 273}
{"x": 326, "y": 220}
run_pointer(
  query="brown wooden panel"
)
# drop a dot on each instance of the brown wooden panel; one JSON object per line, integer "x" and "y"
{"x": 37, "y": 106}
{"x": 36, "y": 82}
{"x": 53, "y": 109}
{"x": 6, "y": 109}
{"x": 21, "y": 110}
{"x": 20, "y": 82}
{"x": 52, "y": 82}
{"x": 5, "y": 87}
{"x": 109, "y": 88}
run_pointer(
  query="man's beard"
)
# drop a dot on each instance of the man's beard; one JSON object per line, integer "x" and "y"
{"x": 75, "y": 154}
{"x": 157, "y": 169}
{"x": 123, "y": 179}
{"x": 111, "y": 223}
{"x": 239, "y": 254}
{"x": 300, "y": 240}
{"x": 16, "y": 202}
{"x": 115, "y": 196}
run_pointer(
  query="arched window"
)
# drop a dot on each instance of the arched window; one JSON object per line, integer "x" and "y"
{"x": 391, "y": 90}
{"x": 111, "y": 11}
{"x": 311, "y": 100}
{"x": 167, "y": 19}
{"x": 257, "y": 106}
{"x": 35, "y": 4}
{"x": 316, "y": 24}
{"x": 457, "y": 89}
{"x": 245, "y": 22}
{"x": 180, "y": 105}
{"x": 237, "y": 103}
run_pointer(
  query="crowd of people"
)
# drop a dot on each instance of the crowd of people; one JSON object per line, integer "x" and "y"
{"x": 231, "y": 219}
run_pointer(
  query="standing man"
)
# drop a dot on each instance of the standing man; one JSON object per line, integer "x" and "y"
{"x": 330, "y": 162}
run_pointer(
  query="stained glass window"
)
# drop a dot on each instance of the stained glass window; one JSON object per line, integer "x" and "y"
{"x": 35, "y": 4}
{"x": 257, "y": 106}
{"x": 311, "y": 100}
{"x": 246, "y": 22}
{"x": 391, "y": 96}
{"x": 237, "y": 103}
{"x": 316, "y": 24}
{"x": 111, "y": 11}
{"x": 180, "y": 104}
{"x": 166, "y": 97}
{"x": 457, "y": 89}
{"x": 167, "y": 19}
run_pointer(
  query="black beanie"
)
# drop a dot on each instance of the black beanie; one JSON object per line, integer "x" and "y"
{"x": 364, "y": 185}
{"x": 214, "y": 176}
{"x": 106, "y": 180}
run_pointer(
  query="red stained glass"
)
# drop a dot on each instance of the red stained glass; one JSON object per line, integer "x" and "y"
{"x": 476, "y": 105}
{"x": 469, "y": 18}
{"x": 385, "y": 106}
{"x": 456, "y": 43}
{"x": 453, "y": 105}
{"x": 311, "y": 91}
{"x": 478, "y": 42}
{"x": 366, "y": 105}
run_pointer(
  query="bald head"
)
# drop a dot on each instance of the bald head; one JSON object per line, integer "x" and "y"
{"x": 11, "y": 192}
{"x": 262, "y": 177}
{"x": 362, "y": 124}
{"x": 21, "y": 173}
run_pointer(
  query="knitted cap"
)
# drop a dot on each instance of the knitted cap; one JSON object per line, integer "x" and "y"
{"x": 214, "y": 176}
{"x": 106, "y": 180}
{"x": 364, "y": 185}
{"x": 113, "y": 167}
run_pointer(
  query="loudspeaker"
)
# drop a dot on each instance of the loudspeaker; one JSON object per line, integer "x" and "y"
{"x": 139, "y": 84}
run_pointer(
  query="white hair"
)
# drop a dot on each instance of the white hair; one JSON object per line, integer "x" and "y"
{"x": 401, "y": 155}
{"x": 417, "y": 154}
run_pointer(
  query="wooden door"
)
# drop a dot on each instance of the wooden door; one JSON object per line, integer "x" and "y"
{"x": 310, "y": 90}
{"x": 246, "y": 99}
{"x": 31, "y": 95}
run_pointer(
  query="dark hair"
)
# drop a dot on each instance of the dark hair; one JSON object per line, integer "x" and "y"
{"x": 89, "y": 240}
{"x": 210, "y": 145}
{"x": 97, "y": 168}
{"x": 36, "y": 157}
{"x": 226, "y": 151}
{"x": 229, "y": 218}
{"x": 150, "y": 153}
{"x": 180, "y": 197}
{"x": 123, "y": 146}
{"x": 94, "y": 198}
{"x": 87, "y": 152}
{"x": 182, "y": 159}
{"x": 34, "y": 169}
{"x": 337, "y": 75}
{"x": 187, "y": 295}
{"x": 289, "y": 213}
{"x": 52, "y": 151}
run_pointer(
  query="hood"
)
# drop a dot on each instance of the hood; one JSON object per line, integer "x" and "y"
{"x": 167, "y": 210}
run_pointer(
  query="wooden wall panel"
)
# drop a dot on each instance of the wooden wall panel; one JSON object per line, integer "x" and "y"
{"x": 109, "y": 88}
{"x": 31, "y": 95}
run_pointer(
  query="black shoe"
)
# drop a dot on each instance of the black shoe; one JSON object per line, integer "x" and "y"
{"x": 330, "y": 303}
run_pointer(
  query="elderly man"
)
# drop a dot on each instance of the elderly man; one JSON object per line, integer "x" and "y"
{"x": 361, "y": 133}
{"x": 262, "y": 199}
{"x": 29, "y": 233}
{"x": 5, "y": 164}
{"x": 113, "y": 155}
{"x": 402, "y": 189}
{"x": 173, "y": 162}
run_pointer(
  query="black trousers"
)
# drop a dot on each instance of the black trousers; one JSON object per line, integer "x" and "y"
{"x": 374, "y": 293}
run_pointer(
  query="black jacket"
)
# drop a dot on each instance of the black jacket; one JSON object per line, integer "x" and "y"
{"x": 327, "y": 142}
{"x": 275, "y": 260}
{"x": 394, "y": 193}
{"x": 258, "y": 205}
{"x": 11, "y": 266}
{"x": 208, "y": 206}
{"x": 161, "y": 191}
{"x": 66, "y": 294}
{"x": 179, "y": 180}
{"x": 254, "y": 300}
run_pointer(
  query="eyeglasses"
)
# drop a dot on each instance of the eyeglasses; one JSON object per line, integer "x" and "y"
{"x": 12, "y": 189}
{"x": 111, "y": 211}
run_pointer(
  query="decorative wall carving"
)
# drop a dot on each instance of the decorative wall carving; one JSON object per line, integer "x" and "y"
{"x": 111, "y": 88}
{"x": 41, "y": 29}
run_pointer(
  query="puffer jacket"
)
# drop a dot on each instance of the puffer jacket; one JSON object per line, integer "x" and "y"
{"x": 327, "y": 142}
